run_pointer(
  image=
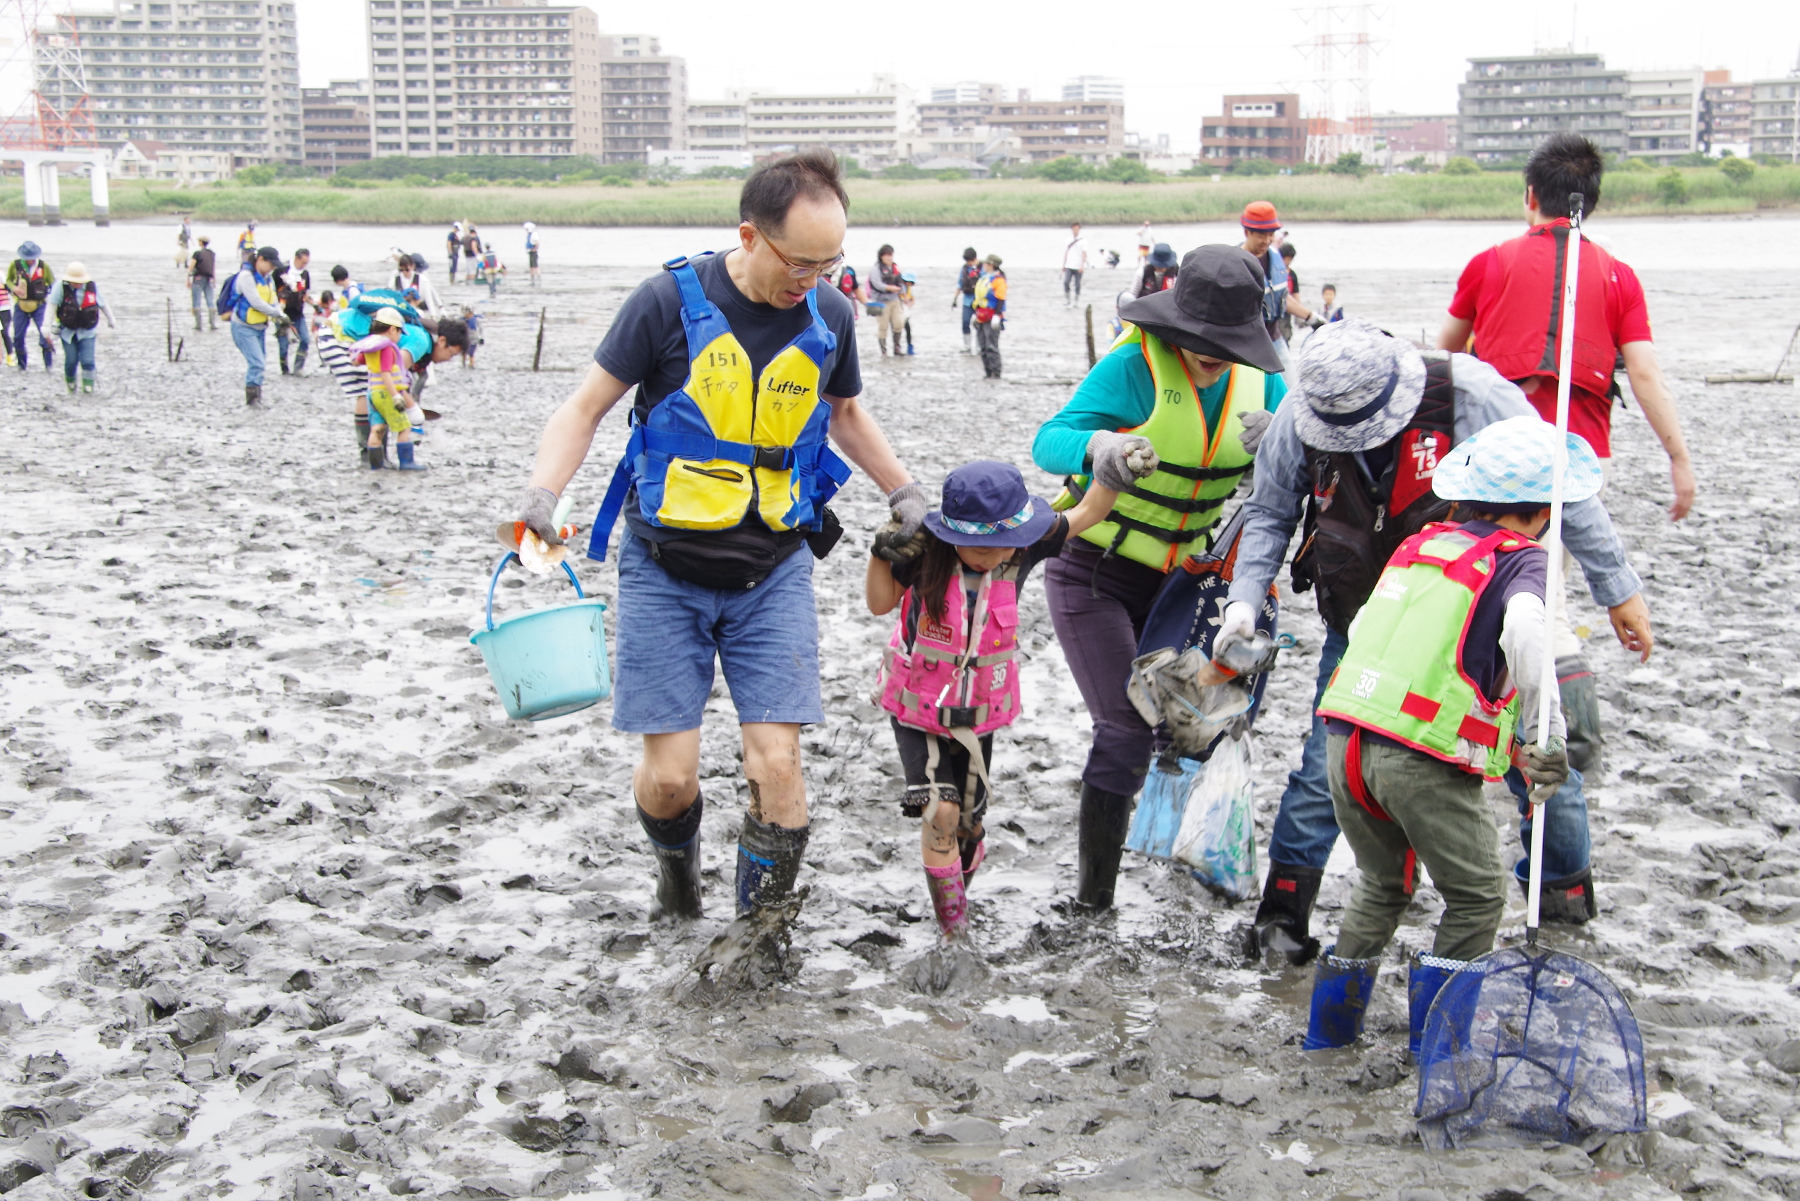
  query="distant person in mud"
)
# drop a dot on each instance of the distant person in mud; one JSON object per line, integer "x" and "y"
{"x": 532, "y": 245}
{"x": 1354, "y": 463}
{"x": 201, "y": 269}
{"x": 1159, "y": 272}
{"x": 453, "y": 247}
{"x": 29, "y": 280}
{"x": 964, "y": 296}
{"x": 246, "y": 244}
{"x": 886, "y": 289}
{"x": 957, "y": 585}
{"x": 1506, "y": 300}
{"x": 255, "y": 310}
{"x": 1074, "y": 266}
{"x": 78, "y": 305}
{"x": 471, "y": 252}
{"x": 990, "y": 315}
{"x": 1187, "y": 390}
{"x": 714, "y": 562}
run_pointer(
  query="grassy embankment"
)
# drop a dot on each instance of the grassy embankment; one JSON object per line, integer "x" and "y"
{"x": 934, "y": 202}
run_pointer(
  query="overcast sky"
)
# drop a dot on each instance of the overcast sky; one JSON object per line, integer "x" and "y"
{"x": 1176, "y": 56}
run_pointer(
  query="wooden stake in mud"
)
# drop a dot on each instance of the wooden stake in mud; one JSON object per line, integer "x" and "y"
{"x": 538, "y": 354}
{"x": 180, "y": 344}
{"x": 169, "y": 330}
{"x": 1090, "y": 333}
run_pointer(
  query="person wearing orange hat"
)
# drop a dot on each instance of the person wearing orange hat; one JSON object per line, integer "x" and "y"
{"x": 1261, "y": 224}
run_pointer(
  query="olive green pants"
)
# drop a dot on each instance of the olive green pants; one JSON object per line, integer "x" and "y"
{"x": 1440, "y": 816}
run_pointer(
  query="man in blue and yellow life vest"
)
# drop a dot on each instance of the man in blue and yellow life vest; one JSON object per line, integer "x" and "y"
{"x": 742, "y": 365}
{"x": 1189, "y": 385}
{"x": 255, "y": 313}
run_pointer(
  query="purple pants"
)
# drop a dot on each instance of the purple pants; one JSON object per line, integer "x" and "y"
{"x": 1098, "y": 609}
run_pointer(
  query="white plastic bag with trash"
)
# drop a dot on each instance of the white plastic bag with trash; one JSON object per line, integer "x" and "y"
{"x": 1217, "y": 836}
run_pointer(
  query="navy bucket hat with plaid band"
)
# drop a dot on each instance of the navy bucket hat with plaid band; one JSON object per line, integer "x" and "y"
{"x": 986, "y": 504}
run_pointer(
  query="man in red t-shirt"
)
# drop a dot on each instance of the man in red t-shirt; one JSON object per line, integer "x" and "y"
{"x": 1497, "y": 301}
{"x": 1510, "y": 299}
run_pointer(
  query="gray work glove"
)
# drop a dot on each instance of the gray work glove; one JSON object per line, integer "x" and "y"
{"x": 537, "y": 509}
{"x": 907, "y": 503}
{"x": 1546, "y": 769}
{"x": 895, "y": 549}
{"x": 1256, "y": 424}
{"x": 1121, "y": 460}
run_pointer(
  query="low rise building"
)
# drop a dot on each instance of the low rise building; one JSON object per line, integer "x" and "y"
{"x": 1662, "y": 114}
{"x": 1725, "y": 112}
{"x": 1255, "y": 126}
{"x": 717, "y": 124}
{"x": 869, "y": 127}
{"x": 334, "y": 124}
{"x": 144, "y": 159}
{"x": 1092, "y": 131}
{"x": 1507, "y": 105}
{"x": 1774, "y": 123}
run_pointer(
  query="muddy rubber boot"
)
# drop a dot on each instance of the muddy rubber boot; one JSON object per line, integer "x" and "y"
{"x": 197, "y": 326}
{"x": 362, "y": 435}
{"x": 1425, "y": 977}
{"x": 1340, "y": 1001}
{"x": 676, "y": 841}
{"x": 1284, "y": 915}
{"x": 968, "y": 346}
{"x": 1581, "y": 711}
{"x": 376, "y": 457}
{"x": 1100, "y": 842}
{"x": 253, "y": 396}
{"x": 949, "y": 898}
{"x": 768, "y": 863}
{"x": 897, "y": 351}
{"x": 1568, "y": 901}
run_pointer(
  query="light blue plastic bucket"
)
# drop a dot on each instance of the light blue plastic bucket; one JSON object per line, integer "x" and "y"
{"x": 549, "y": 662}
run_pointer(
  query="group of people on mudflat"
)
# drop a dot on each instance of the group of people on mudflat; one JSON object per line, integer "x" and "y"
{"x": 1420, "y": 481}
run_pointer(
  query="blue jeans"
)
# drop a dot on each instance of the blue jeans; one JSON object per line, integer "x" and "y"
{"x": 968, "y": 314}
{"x": 1566, "y": 841}
{"x": 252, "y": 344}
{"x": 1306, "y": 827}
{"x": 303, "y": 335}
{"x": 78, "y": 343}
{"x": 201, "y": 291}
{"x": 21, "y": 321}
{"x": 670, "y": 631}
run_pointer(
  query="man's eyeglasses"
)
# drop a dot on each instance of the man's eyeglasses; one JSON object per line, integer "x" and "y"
{"x": 802, "y": 270}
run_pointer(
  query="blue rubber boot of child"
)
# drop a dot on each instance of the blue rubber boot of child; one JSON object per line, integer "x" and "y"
{"x": 1340, "y": 1000}
{"x": 1425, "y": 976}
{"x": 407, "y": 462}
{"x": 768, "y": 863}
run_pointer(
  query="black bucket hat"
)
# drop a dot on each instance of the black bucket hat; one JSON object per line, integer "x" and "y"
{"x": 1214, "y": 309}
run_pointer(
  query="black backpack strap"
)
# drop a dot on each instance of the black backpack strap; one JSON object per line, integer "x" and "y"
{"x": 1437, "y": 407}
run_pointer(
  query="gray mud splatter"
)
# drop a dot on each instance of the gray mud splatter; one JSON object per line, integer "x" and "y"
{"x": 288, "y": 908}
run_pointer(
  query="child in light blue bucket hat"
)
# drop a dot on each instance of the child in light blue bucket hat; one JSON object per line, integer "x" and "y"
{"x": 1438, "y": 691}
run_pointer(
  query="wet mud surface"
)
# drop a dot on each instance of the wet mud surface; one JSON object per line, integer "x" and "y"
{"x": 289, "y": 909}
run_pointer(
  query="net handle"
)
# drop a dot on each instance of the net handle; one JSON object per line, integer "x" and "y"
{"x": 1553, "y": 588}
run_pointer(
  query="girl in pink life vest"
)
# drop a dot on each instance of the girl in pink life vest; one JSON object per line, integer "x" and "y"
{"x": 948, "y": 676}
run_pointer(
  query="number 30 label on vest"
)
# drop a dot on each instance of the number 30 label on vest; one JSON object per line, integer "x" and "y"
{"x": 1366, "y": 683}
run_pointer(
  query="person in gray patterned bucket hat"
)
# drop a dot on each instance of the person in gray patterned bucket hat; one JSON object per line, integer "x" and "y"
{"x": 1360, "y": 385}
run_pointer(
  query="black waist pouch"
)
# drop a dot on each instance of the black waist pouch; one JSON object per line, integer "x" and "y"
{"x": 730, "y": 560}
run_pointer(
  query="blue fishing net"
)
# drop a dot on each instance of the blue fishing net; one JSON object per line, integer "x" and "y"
{"x": 1528, "y": 1046}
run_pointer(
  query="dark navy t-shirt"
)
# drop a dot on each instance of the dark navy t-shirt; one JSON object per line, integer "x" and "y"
{"x": 1520, "y": 571}
{"x": 647, "y": 346}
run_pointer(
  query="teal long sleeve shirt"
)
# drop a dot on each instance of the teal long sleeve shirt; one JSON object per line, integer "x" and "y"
{"x": 1119, "y": 394}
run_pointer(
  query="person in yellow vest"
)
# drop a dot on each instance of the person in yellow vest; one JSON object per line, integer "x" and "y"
{"x": 1437, "y": 691}
{"x": 256, "y": 312}
{"x": 1190, "y": 384}
{"x": 747, "y": 376}
{"x": 246, "y": 244}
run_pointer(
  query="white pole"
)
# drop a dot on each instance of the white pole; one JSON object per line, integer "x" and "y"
{"x": 1553, "y": 588}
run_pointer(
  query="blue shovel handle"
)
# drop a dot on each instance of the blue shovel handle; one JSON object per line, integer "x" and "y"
{"x": 513, "y": 557}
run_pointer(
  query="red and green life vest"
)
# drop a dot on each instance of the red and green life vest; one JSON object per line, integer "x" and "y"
{"x": 1403, "y": 675}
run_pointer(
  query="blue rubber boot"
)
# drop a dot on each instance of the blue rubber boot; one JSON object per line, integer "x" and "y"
{"x": 768, "y": 863}
{"x": 1340, "y": 999}
{"x": 676, "y": 842}
{"x": 407, "y": 462}
{"x": 1424, "y": 977}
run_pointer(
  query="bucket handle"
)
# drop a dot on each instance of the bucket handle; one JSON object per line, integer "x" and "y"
{"x": 513, "y": 557}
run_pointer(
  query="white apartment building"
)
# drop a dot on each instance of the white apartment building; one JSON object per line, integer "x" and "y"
{"x": 484, "y": 77}
{"x": 866, "y": 126}
{"x": 149, "y": 160}
{"x": 717, "y": 124}
{"x": 1774, "y": 121}
{"x": 643, "y": 98}
{"x": 1662, "y": 113}
{"x": 217, "y": 77}
{"x": 1095, "y": 89}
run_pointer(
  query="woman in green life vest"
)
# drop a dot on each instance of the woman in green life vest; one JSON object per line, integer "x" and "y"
{"x": 1195, "y": 376}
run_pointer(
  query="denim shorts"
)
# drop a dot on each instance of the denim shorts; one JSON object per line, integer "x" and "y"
{"x": 670, "y": 631}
